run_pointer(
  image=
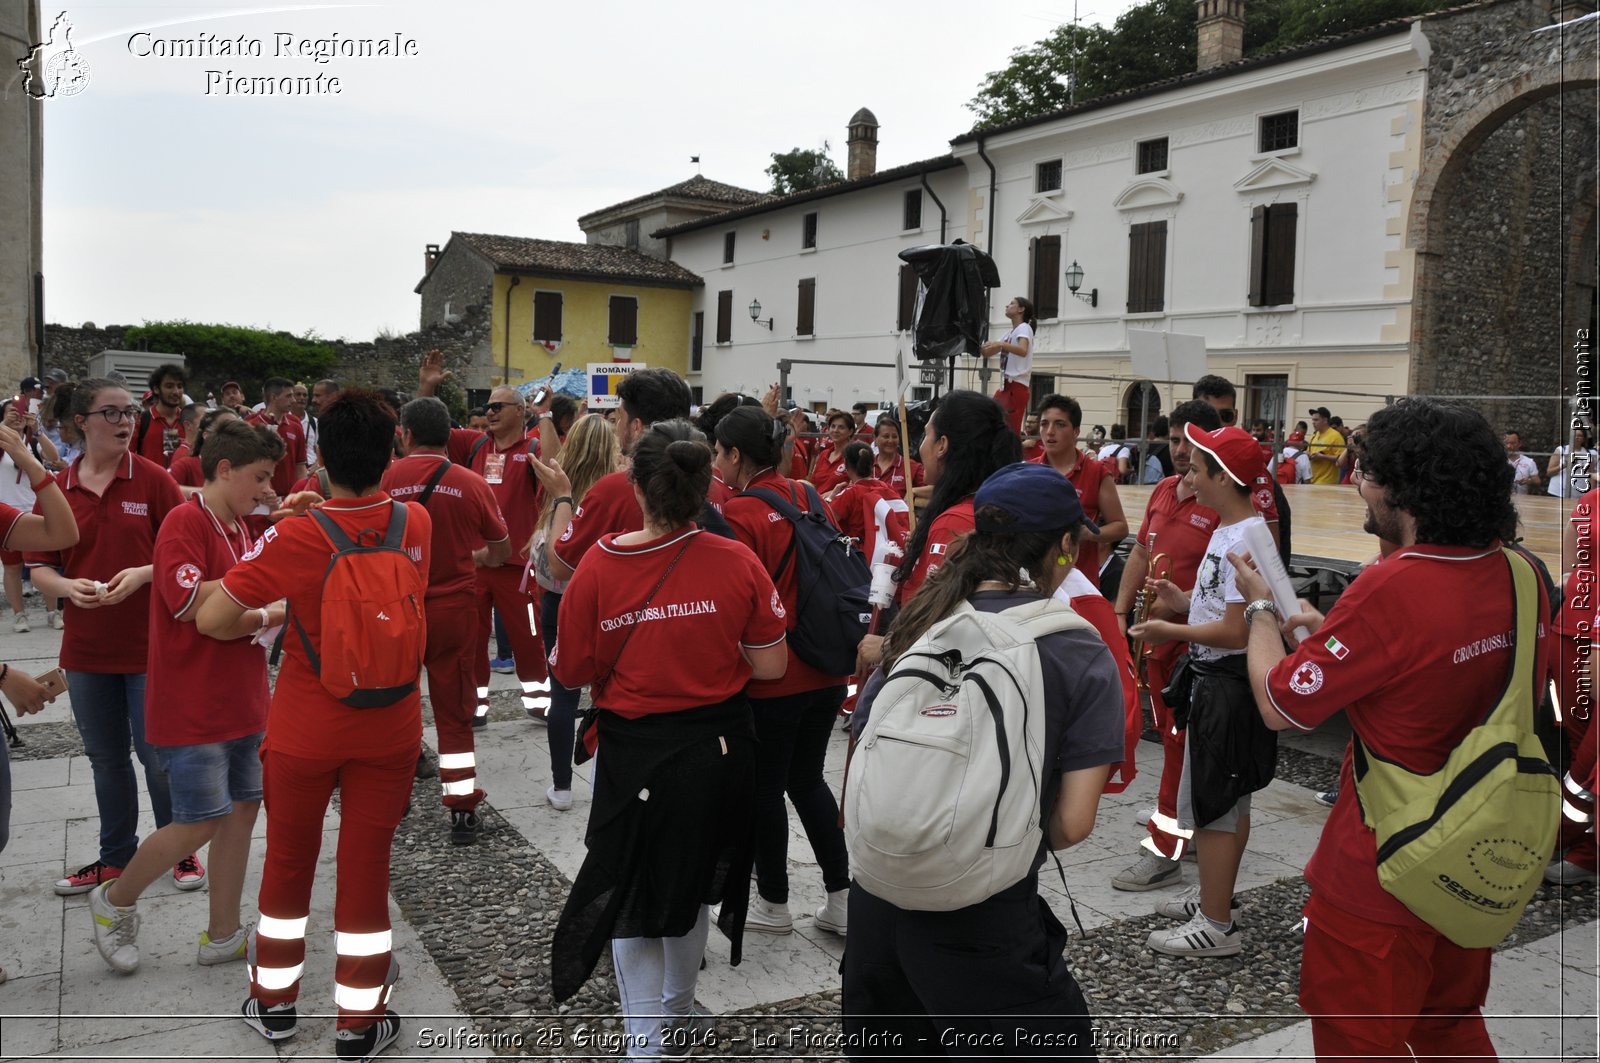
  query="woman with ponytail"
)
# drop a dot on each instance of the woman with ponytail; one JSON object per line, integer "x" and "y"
{"x": 940, "y": 976}
{"x": 668, "y": 829}
{"x": 794, "y": 714}
{"x": 1016, "y": 361}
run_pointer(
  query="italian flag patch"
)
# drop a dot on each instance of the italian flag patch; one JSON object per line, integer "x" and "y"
{"x": 1339, "y": 650}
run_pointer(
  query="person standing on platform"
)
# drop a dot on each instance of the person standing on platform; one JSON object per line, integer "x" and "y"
{"x": 1571, "y": 467}
{"x": 468, "y": 534}
{"x": 1525, "y": 477}
{"x": 1060, "y": 420}
{"x": 1324, "y": 447}
{"x": 1016, "y": 365}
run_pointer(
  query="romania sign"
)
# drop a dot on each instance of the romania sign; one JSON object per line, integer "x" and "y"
{"x": 604, "y": 379}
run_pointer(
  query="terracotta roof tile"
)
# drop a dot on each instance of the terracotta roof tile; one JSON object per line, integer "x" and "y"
{"x": 696, "y": 187}
{"x": 527, "y": 255}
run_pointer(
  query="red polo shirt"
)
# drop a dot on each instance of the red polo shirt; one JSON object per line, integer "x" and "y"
{"x": 116, "y": 530}
{"x": 306, "y": 720}
{"x": 161, "y": 438}
{"x": 716, "y": 599}
{"x": 828, "y": 472}
{"x": 946, "y": 528}
{"x": 186, "y": 470}
{"x": 1414, "y": 652}
{"x": 294, "y": 448}
{"x": 515, "y": 489}
{"x": 9, "y": 516}
{"x": 895, "y": 474}
{"x": 465, "y": 517}
{"x": 610, "y": 506}
{"x": 199, "y": 689}
{"x": 855, "y": 507}
{"x": 1086, "y": 475}
{"x": 768, "y": 534}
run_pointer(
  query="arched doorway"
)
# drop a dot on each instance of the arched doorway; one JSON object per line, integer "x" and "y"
{"x": 1141, "y": 405}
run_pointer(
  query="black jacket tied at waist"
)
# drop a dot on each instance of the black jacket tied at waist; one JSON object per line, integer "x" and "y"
{"x": 1232, "y": 752}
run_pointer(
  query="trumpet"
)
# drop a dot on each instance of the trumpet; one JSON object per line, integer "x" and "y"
{"x": 1143, "y": 603}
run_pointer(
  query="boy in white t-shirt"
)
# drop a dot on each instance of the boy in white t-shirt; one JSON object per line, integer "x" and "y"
{"x": 1214, "y": 793}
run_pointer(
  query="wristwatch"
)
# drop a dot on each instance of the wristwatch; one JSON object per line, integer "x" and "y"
{"x": 1260, "y": 605}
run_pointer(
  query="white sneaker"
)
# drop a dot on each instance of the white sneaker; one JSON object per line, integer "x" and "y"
{"x": 768, "y": 918}
{"x": 833, "y": 915}
{"x": 20, "y": 625}
{"x": 223, "y": 950}
{"x": 1186, "y": 903}
{"x": 1566, "y": 873}
{"x": 560, "y": 800}
{"x": 116, "y": 931}
{"x": 1152, "y": 872}
{"x": 53, "y": 619}
{"x": 1197, "y": 937}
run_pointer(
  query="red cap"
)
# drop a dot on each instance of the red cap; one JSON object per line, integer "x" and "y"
{"x": 1234, "y": 449}
{"x": 1296, "y": 437}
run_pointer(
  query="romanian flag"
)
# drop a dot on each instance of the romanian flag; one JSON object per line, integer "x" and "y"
{"x": 605, "y": 383}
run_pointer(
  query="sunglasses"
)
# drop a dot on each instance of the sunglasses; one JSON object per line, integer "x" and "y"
{"x": 1228, "y": 416}
{"x": 496, "y": 407}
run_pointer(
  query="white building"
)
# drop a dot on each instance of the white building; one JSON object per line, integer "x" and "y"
{"x": 1259, "y": 204}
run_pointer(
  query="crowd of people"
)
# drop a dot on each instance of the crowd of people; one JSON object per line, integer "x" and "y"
{"x": 370, "y": 542}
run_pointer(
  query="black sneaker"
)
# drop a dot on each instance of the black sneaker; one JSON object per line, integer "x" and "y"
{"x": 464, "y": 826}
{"x": 479, "y": 722}
{"x": 349, "y": 1044}
{"x": 425, "y": 768}
{"x": 277, "y": 1023}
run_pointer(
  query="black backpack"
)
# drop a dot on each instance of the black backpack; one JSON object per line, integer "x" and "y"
{"x": 831, "y": 609}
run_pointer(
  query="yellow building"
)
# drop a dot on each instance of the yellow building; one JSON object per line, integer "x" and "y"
{"x": 557, "y": 302}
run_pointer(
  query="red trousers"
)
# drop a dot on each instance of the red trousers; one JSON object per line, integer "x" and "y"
{"x": 1375, "y": 991}
{"x": 497, "y": 589}
{"x": 1166, "y": 838}
{"x": 1013, "y": 399}
{"x": 1577, "y": 836}
{"x": 452, "y": 628}
{"x": 372, "y": 797}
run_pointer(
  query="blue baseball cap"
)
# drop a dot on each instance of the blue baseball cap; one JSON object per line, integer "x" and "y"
{"x": 1034, "y": 496}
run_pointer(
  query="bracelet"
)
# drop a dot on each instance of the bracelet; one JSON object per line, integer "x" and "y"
{"x": 42, "y": 484}
{"x": 266, "y": 620}
{"x": 564, "y": 498}
{"x": 1260, "y": 605}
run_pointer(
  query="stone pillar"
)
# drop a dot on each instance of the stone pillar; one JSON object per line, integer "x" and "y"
{"x": 863, "y": 145}
{"x": 1219, "y": 26}
{"x": 21, "y": 200}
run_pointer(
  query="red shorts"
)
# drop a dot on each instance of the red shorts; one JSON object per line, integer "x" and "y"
{"x": 11, "y": 558}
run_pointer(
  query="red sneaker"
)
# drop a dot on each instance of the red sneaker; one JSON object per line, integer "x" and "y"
{"x": 86, "y": 878}
{"x": 189, "y": 874}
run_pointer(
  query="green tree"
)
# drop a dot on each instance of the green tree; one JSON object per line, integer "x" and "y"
{"x": 1155, "y": 41}
{"x": 801, "y": 170}
{"x": 219, "y": 353}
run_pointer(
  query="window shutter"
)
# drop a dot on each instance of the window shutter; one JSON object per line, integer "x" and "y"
{"x": 1137, "y": 268}
{"x": 725, "y": 317}
{"x": 1156, "y": 266}
{"x": 807, "y": 309}
{"x": 1045, "y": 270}
{"x": 624, "y": 325}
{"x": 1258, "y": 253}
{"x": 908, "y": 299}
{"x": 697, "y": 341}
{"x": 1278, "y": 279}
{"x": 546, "y": 316}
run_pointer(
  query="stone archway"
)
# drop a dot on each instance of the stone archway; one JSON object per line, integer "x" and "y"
{"x": 1500, "y": 208}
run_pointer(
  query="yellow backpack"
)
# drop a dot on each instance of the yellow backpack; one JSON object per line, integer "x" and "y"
{"x": 1465, "y": 847}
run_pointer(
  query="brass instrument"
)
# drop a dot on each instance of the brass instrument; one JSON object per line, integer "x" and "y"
{"x": 1160, "y": 568}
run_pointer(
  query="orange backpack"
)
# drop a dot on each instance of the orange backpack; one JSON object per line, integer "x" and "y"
{"x": 373, "y": 628}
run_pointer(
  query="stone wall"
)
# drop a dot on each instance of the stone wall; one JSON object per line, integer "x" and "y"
{"x": 383, "y": 362}
{"x": 459, "y": 279}
{"x": 1507, "y": 170}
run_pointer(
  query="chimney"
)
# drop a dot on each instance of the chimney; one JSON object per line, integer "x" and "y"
{"x": 863, "y": 145}
{"x": 430, "y": 255}
{"x": 1220, "y": 26}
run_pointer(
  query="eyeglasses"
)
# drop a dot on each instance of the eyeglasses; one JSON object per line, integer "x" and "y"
{"x": 496, "y": 407}
{"x": 1360, "y": 475}
{"x": 113, "y": 414}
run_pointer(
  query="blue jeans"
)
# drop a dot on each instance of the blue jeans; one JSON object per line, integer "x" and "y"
{"x": 563, "y": 700}
{"x": 109, "y": 711}
{"x": 502, "y": 644}
{"x": 792, "y": 733}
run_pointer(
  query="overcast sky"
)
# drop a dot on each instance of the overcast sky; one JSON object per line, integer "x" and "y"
{"x": 311, "y": 212}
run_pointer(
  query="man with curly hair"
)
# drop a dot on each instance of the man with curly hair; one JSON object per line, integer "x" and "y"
{"x": 1377, "y": 980}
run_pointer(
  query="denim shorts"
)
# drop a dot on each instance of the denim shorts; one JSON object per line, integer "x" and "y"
{"x": 207, "y": 779}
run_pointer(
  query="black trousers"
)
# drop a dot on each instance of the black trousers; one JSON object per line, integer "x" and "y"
{"x": 984, "y": 981}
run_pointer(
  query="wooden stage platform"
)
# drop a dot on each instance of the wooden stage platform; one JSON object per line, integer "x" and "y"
{"x": 1327, "y": 525}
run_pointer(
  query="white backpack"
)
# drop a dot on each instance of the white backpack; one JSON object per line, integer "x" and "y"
{"x": 942, "y": 803}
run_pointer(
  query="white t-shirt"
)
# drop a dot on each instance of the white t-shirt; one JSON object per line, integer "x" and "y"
{"x": 1214, "y": 588}
{"x": 1018, "y": 366}
{"x": 1522, "y": 467}
{"x": 15, "y": 490}
{"x": 1571, "y": 482}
